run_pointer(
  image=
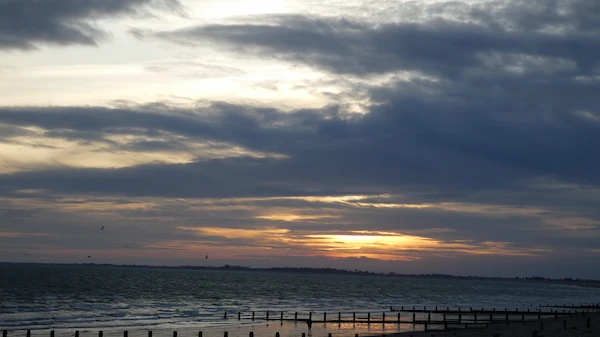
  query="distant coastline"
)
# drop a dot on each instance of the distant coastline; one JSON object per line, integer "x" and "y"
{"x": 537, "y": 279}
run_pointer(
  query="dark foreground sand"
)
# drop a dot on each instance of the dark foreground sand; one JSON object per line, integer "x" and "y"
{"x": 576, "y": 327}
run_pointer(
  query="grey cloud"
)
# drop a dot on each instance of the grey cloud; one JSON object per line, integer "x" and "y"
{"x": 26, "y": 24}
{"x": 438, "y": 47}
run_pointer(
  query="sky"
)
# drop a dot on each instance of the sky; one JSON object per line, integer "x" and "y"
{"x": 456, "y": 137}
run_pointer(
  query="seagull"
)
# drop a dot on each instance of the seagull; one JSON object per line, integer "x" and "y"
{"x": 89, "y": 256}
{"x": 206, "y": 257}
{"x": 102, "y": 228}
{"x": 26, "y": 254}
{"x": 127, "y": 246}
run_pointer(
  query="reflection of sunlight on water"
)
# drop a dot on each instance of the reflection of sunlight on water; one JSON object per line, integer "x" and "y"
{"x": 260, "y": 329}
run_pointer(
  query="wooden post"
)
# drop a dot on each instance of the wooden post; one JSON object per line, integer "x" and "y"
{"x": 225, "y": 315}
{"x": 125, "y": 333}
{"x": 281, "y": 317}
{"x": 251, "y": 334}
{"x": 444, "y": 317}
{"x": 310, "y": 316}
{"x": 369, "y": 318}
{"x": 383, "y": 319}
{"x": 459, "y": 316}
{"x": 398, "y": 318}
{"x": 150, "y": 334}
{"x": 414, "y": 317}
{"x": 295, "y": 316}
{"x": 428, "y": 317}
{"x": 324, "y": 317}
{"x": 277, "y": 334}
{"x": 253, "y": 315}
{"x": 174, "y": 333}
{"x": 267, "y": 315}
{"x": 5, "y": 333}
{"x": 29, "y": 333}
{"x": 51, "y": 333}
{"x": 329, "y": 335}
{"x": 303, "y": 334}
{"x": 100, "y": 333}
{"x": 199, "y": 333}
{"x": 522, "y": 317}
{"x": 239, "y": 315}
{"x": 353, "y": 317}
{"x": 339, "y": 316}
{"x": 225, "y": 334}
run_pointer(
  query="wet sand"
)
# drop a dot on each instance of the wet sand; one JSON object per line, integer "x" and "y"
{"x": 576, "y": 327}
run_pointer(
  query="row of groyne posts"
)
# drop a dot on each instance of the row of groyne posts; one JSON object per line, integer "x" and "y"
{"x": 430, "y": 318}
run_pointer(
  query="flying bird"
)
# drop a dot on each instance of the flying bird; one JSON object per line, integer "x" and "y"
{"x": 127, "y": 246}
{"x": 102, "y": 228}
{"x": 206, "y": 257}
{"x": 26, "y": 254}
{"x": 89, "y": 256}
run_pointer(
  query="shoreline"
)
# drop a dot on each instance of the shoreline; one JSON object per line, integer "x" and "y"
{"x": 576, "y": 326}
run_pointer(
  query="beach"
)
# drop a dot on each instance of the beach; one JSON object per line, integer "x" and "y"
{"x": 576, "y": 326}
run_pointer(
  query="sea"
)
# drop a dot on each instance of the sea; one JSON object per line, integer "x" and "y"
{"x": 114, "y": 299}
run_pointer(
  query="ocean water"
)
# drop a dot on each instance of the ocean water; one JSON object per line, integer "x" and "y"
{"x": 114, "y": 299}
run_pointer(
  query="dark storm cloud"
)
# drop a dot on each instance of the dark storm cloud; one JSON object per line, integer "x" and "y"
{"x": 25, "y": 24}
{"x": 438, "y": 47}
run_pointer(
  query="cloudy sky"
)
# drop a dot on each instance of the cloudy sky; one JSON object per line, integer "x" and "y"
{"x": 421, "y": 136}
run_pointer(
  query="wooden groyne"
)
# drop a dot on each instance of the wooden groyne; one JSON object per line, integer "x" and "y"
{"x": 428, "y": 318}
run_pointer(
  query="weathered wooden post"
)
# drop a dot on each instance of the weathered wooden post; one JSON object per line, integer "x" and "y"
{"x": 281, "y": 317}
{"x": 459, "y": 316}
{"x": 398, "y": 317}
{"x": 369, "y": 318}
{"x": 324, "y": 317}
{"x": 414, "y": 317}
{"x": 353, "y": 317}
{"x": 226, "y": 334}
{"x": 277, "y": 334}
{"x": 51, "y": 333}
{"x": 199, "y": 333}
{"x": 239, "y": 315}
{"x": 5, "y": 333}
{"x": 149, "y": 333}
{"x": 295, "y": 316}
{"x": 303, "y": 334}
{"x": 444, "y": 317}
{"x": 310, "y": 316}
{"x": 100, "y": 333}
{"x": 267, "y": 315}
{"x": 29, "y": 333}
{"x": 383, "y": 319}
{"x": 125, "y": 333}
{"x": 174, "y": 333}
{"x": 429, "y": 317}
{"x": 253, "y": 315}
{"x": 339, "y": 317}
{"x": 329, "y": 335}
{"x": 522, "y": 317}
{"x": 225, "y": 315}
{"x": 251, "y": 334}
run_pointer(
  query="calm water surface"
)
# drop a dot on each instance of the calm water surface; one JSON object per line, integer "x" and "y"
{"x": 114, "y": 299}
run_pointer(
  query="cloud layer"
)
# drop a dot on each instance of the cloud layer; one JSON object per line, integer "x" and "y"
{"x": 476, "y": 139}
{"x": 26, "y": 24}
